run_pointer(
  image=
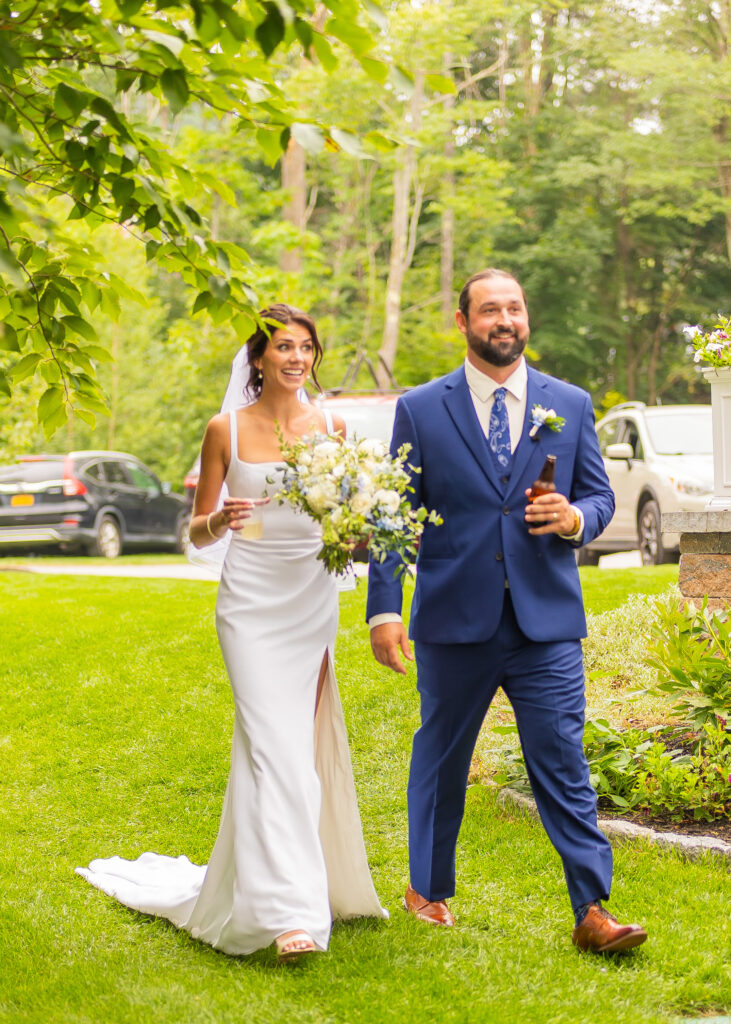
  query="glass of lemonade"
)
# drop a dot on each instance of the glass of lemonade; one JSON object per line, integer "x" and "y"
{"x": 254, "y": 525}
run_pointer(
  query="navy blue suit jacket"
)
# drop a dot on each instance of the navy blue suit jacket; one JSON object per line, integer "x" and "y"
{"x": 463, "y": 564}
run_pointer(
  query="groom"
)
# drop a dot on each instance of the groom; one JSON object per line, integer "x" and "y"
{"x": 498, "y": 600}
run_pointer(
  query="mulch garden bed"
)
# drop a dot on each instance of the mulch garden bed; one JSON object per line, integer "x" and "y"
{"x": 719, "y": 829}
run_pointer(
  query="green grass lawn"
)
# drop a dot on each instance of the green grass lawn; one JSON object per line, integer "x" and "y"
{"x": 115, "y": 733}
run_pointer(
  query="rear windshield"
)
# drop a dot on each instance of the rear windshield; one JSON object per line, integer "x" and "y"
{"x": 681, "y": 433}
{"x": 32, "y": 472}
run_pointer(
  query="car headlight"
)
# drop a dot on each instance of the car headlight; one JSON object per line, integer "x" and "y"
{"x": 693, "y": 487}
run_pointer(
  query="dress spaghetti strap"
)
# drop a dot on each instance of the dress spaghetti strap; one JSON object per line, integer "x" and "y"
{"x": 329, "y": 424}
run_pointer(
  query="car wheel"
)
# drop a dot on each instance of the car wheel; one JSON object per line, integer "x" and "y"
{"x": 108, "y": 540}
{"x": 587, "y": 556}
{"x": 182, "y": 537}
{"x": 649, "y": 532}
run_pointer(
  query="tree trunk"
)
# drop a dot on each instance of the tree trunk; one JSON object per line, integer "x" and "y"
{"x": 626, "y": 306}
{"x": 294, "y": 211}
{"x": 402, "y": 179}
{"x": 447, "y": 223}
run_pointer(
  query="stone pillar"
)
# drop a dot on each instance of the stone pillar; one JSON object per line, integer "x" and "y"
{"x": 705, "y": 555}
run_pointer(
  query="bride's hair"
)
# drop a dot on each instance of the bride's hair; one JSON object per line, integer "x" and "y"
{"x": 275, "y": 316}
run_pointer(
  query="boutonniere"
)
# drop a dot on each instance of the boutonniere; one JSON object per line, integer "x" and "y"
{"x": 540, "y": 417}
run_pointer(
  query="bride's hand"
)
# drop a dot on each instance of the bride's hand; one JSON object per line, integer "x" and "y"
{"x": 236, "y": 511}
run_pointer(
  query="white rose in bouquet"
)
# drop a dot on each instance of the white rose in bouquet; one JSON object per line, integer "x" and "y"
{"x": 389, "y": 501}
{"x": 372, "y": 446}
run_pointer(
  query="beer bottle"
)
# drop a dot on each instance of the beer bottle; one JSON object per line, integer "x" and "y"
{"x": 544, "y": 484}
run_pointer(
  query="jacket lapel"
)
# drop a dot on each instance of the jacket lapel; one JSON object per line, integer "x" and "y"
{"x": 460, "y": 407}
{"x": 529, "y": 456}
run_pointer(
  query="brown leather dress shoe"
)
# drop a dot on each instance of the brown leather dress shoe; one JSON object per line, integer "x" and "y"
{"x": 434, "y": 913}
{"x": 599, "y": 932}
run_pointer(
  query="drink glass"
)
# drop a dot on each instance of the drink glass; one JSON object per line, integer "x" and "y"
{"x": 253, "y": 528}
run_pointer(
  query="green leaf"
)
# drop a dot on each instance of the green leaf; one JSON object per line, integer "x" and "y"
{"x": 68, "y": 102}
{"x": 9, "y": 338}
{"x": 26, "y": 367}
{"x": 85, "y": 416}
{"x": 309, "y": 136}
{"x": 4, "y": 385}
{"x": 8, "y": 56}
{"x": 51, "y": 399}
{"x": 122, "y": 190}
{"x": 124, "y": 79}
{"x": 206, "y": 22}
{"x": 101, "y": 355}
{"x": 87, "y": 401}
{"x": 219, "y": 288}
{"x": 270, "y": 144}
{"x": 324, "y": 52}
{"x": 353, "y": 35}
{"x": 350, "y": 143}
{"x": 55, "y": 420}
{"x": 376, "y": 70}
{"x": 175, "y": 87}
{"x": 377, "y": 14}
{"x": 79, "y": 326}
{"x": 401, "y": 80}
{"x": 441, "y": 83}
{"x": 129, "y": 7}
{"x": 269, "y": 33}
{"x": 173, "y": 43}
{"x": 203, "y": 301}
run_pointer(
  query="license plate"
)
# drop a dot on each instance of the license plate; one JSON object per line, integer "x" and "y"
{"x": 21, "y": 500}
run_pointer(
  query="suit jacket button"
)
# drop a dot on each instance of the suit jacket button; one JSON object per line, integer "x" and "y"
{"x": 504, "y": 479}
{"x": 499, "y": 556}
{"x": 506, "y": 511}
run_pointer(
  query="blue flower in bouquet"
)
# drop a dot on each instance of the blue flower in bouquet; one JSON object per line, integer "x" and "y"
{"x": 357, "y": 492}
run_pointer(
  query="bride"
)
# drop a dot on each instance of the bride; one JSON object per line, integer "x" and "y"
{"x": 289, "y": 855}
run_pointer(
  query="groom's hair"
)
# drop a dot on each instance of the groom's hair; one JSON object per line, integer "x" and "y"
{"x": 464, "y": 295}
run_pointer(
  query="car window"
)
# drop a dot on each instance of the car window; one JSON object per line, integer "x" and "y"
{"x": 142, "y": 478}
{"x": 114, "y": 473}
{"x": 94, "y": 470}
{"x": 630, "y": 434}
{"x": 32, "y": 472}
{"x": 607, "y": 434}
{"x": 681, "y": 432}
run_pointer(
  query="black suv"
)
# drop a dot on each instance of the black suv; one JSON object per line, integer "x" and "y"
{"x": 98, "y": 502}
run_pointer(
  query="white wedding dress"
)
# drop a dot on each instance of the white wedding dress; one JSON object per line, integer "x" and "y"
{"x": 290, "y": 851}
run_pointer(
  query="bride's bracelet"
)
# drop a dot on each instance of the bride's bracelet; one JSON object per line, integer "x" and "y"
{"x": 208, "y": 525}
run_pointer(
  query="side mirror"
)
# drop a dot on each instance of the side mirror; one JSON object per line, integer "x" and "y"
{"x": 620, "y": 451}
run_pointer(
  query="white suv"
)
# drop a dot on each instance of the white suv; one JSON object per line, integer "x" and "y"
{"x": 659, "y": 459}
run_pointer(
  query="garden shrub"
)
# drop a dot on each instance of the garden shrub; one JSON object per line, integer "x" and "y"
{"x": 675, "y": 770}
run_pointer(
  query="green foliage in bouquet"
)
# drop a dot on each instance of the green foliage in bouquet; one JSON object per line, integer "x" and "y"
{"x": 358, "y": 493}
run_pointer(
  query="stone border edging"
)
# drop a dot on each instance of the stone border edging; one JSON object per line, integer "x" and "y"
{"x": 690, "y": 846}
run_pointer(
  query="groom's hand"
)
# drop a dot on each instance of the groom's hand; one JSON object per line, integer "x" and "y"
{"x": 389, "y": 641}
{"x": 550, "y": 513}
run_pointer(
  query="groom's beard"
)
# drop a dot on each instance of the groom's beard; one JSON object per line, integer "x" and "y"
{"x": 500, "y": 348}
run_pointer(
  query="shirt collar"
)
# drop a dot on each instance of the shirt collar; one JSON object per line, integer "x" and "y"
{"x": 483, "y": 387}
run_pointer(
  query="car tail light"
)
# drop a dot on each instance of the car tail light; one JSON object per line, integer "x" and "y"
{"x": 71, "y": 484}
{"x": 72, "y": 521}
{"x": 191, "y": 481}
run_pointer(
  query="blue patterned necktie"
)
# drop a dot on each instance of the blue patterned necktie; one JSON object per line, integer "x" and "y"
{"x": 499, "y": 430}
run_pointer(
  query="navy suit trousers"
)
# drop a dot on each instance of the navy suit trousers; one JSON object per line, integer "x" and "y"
{"x": 545, "y": 685}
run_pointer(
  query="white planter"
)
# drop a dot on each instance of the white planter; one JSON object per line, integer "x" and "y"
{"x": 720, "y": 381}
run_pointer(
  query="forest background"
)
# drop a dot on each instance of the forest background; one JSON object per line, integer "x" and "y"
{"x": 584, "y": 147}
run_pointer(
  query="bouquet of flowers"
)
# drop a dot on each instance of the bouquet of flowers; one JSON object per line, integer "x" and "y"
{"x": 357, "y": 491}
{"x": 713, "y": 347}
